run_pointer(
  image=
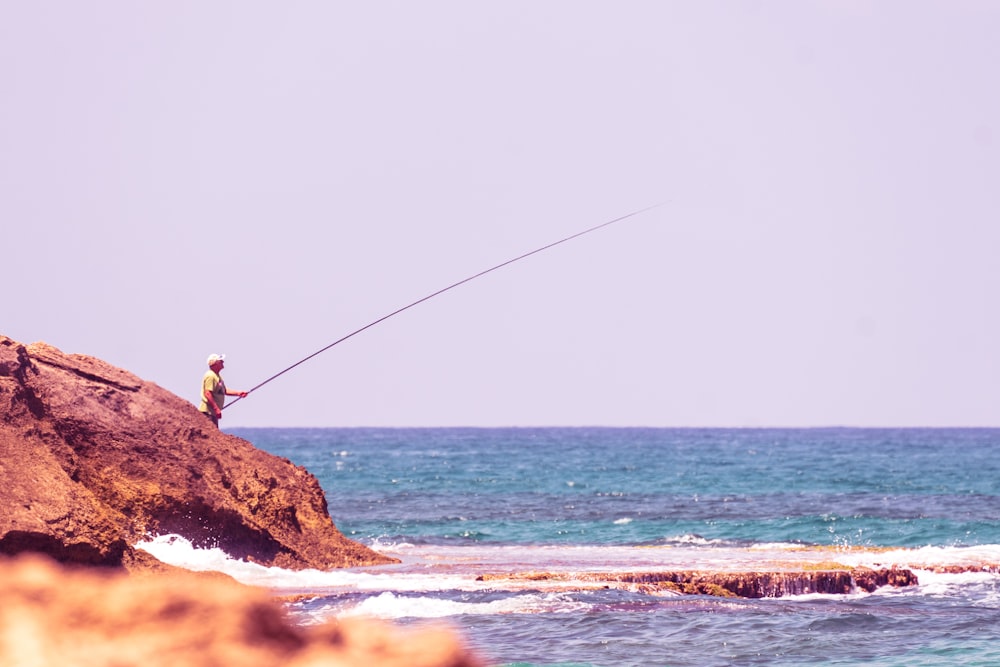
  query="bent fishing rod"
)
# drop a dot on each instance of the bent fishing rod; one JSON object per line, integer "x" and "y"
{"x": 442, "y": 291}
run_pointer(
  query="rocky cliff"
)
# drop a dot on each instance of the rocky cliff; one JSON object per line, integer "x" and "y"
{"x": 93, "y": 458}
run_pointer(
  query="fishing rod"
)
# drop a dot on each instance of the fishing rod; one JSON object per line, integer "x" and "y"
{"x": 442, "y": 291}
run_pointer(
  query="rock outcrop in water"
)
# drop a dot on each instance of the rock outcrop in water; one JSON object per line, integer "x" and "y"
{"x": 52, "y": 617}
{"x": 733, "y": 584}
{"x": 93, "y": 459}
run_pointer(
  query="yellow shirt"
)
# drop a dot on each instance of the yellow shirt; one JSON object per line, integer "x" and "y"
{"x": 212, "y": 383}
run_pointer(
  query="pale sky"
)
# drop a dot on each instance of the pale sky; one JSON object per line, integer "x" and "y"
{"x": 260, "y": 179}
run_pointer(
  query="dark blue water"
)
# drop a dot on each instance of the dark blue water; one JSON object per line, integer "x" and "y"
{"x": 933, "y": 493}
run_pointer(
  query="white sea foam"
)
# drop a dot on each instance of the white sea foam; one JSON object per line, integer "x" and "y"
{"x": 694, "y": 540}
{"x": 176, "y": 550}
{"x": 942, "y": 583}
{"x": 775, "y": 546}
{"x": 391, "y": 606}
{"x": 434, "y": 569}
{"x": 928, "y": 558}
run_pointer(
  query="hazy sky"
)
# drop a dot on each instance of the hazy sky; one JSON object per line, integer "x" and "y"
{"x": 260, "y": 179}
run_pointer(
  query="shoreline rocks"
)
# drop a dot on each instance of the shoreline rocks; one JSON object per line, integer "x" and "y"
{"x": 730, "y": 584}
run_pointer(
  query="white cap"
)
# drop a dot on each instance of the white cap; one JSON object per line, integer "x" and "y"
{"x": 212, "y": 358}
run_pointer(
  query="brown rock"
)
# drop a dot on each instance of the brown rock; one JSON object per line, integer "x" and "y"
{"x": 93, "y": 459}
{"x": 868, "y": 579}
{"x": 52, "y": 616}
{"x": 733, "y": 584}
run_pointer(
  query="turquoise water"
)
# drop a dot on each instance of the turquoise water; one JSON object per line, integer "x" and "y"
{"x": 449, "y": 501}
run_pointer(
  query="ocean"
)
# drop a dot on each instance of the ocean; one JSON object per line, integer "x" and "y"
{"x": 476, "y": 515}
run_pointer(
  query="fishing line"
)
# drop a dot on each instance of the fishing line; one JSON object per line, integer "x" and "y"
{"x": 442, "y": 291}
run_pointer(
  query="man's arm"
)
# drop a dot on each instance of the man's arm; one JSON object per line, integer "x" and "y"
{"x": 212, "y": 404}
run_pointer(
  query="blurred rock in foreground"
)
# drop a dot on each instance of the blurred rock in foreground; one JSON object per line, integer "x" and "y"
{"x": 52, "y": 616}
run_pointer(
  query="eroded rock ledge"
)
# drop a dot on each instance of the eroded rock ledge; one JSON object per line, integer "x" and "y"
{"x": 732, "y": 584}
{"x": 93, "y": 459}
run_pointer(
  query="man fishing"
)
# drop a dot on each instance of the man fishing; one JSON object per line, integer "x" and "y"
{"x": 213, "y": 389}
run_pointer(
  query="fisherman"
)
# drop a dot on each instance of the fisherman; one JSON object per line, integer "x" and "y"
{"x": 213, "y": 389}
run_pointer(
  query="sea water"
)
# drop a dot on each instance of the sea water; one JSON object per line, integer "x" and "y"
{"x": 459, "y": 503}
